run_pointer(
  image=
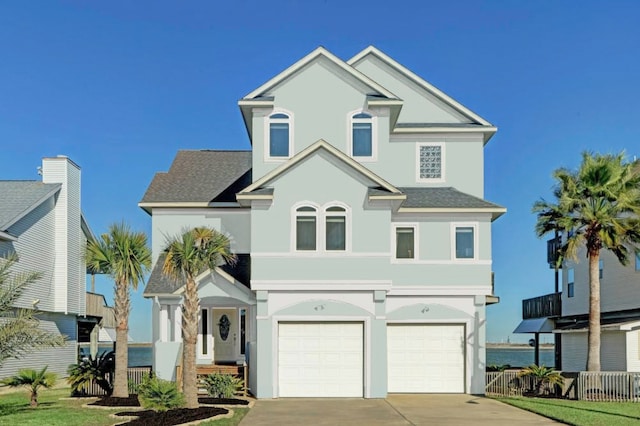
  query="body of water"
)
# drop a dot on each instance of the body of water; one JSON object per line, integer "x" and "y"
{"x": 519, "y": 357}
{"x": 139, "y": 356}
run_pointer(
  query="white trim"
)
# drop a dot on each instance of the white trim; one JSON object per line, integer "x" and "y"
{"x": 316, "y": 254}
{"x": 442, "y": 177}
{"x": 374, "y": 134}
{"x": 476, "y": 237}
{"x": 294, "y": 224}
{"x": 442, "y": 129}
{"x": 321, "y": 215}
{"x": 306, "y": 285}
{"x": 416, "y": 241}
{"x": 175, "y": 204}
{"x": 320, "y": 51}
{"x": 267, "y": 134}
{"x": 208, "y": 212}
{"x": 347, "y": 226}
{"x": 480, "y": 290}
{"x": 366, "y": 337}
{"x": 418, "y": 80}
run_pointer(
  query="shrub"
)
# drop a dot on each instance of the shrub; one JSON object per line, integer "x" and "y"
{"x": 222, "y": 385}
{"x": 99, "y": 370}
{"x": 542, "y": 375}
{"x": 159, "y": 395}
{"x": 32, "y": 379}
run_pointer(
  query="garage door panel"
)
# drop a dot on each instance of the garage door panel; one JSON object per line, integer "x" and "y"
{"x": 425, "y": 358}
{"x": 328, "y": 358}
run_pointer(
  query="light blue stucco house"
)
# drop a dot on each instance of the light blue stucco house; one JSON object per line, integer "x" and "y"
{"x": 363, "y": 237}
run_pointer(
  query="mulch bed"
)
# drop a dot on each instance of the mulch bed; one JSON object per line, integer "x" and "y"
{"x": 132, "y": 401}
{"x": 171, "y": 417}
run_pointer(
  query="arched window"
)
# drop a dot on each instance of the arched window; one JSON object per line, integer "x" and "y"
{"x": 362, "y": 135}
{"x": 306, "y": 224}
{"x": 335, "y": 228}
{"x": 279, "y": 135}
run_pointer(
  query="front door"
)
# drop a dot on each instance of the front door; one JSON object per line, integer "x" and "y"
{"x": 225, "y": 334}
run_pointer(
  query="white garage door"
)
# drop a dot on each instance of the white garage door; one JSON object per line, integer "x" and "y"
{"x": 425, "y": 358}
{"x": 320, "y": 359}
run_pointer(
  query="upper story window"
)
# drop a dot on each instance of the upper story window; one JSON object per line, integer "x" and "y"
{"x": 362, "y": 136}
{"x": 306, "y": 224}
{"x": 638, "y": 262}
{"x": 465, "y": 241}
{"x": 430, "y": 162}
{"x": 570, "y": 282}
{"x": 332, "y": 222}
{"x": 279, "y": 139}
{"x": 405, "y": 241}
{"x": 601, "y": 268}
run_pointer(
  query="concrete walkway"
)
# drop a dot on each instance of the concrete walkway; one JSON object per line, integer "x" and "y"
{"x": 396, "y": 410}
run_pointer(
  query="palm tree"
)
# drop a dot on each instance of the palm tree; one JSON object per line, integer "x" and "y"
{"x": 125, "y": 256}
{"x": 542, "y": 375}
{"x": 32, "y": 379}
{"x": 19, "y": 329}
{"x": 188, "y": 255}
{"x": 597, "y": 207}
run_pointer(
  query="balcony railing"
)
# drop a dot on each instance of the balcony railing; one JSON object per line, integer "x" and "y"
{"x": 549, "y": 305}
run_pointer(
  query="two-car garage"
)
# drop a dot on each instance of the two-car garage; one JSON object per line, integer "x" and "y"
{"x": 326, "y": 359}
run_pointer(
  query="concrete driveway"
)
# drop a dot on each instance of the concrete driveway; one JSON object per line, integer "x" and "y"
{"x": 395, "y": 410}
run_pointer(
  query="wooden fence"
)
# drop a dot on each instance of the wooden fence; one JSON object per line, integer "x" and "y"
{"x": 610, "y": 386}
{"x": 134, "y": 377}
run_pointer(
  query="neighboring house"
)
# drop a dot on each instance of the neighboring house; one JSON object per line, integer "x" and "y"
{"x": 41, "y": 222}
{"x": 363, "y": 237}
{"x": 566, "y": 314}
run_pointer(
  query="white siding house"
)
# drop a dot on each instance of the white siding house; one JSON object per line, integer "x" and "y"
{"x": 363, "y": 236}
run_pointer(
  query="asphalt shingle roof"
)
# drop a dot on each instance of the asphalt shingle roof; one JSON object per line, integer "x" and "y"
{"x": 17, "y": 196}
{"x": 201, "y": 176}
{"x": 446, "y": 197}
{"x": 159, "y": 283}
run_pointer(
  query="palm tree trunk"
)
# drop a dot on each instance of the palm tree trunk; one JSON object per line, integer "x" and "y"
{"x": 189, "y": 337}
{"x": 121, "y": 311}
{"x": 34, "y": 399}
{"x": 593, "y": 355}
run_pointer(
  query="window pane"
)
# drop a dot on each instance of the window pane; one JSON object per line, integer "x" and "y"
{"x": 336, "y": 239}
{"x": 279, "y": 115}
{"x": 205, "y": 331}
{"x": 570, "y": 290}
{"x": 638, "y": 262}
{"x": 404, "y": 243}
{"x": 464, "y": 243}
{"x": 570, "y": 275}
{"x": 430, "y": 162}
{"x": 362, "y": 140}
{"x": 279, "y": 140}
{"x": 305, "y": 233}
{"x": 305, "y": 209}
{"x": 362, "y": 115}
{"x": 335, "y": 209}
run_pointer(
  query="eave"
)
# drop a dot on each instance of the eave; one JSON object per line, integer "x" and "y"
{"x": 487, "y": 131}
{"x": 495, "y": 213}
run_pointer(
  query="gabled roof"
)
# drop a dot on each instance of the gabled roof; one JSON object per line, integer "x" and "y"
{"x": 21, "y": 197}
{"x": 256, "y": 190}
{"x": 371, "y": 50}
{"x": 440, "y": 200}
{"x": 197, "y": 178}
{"x": 159, "y": 284}
{"x": 317, "y": 53}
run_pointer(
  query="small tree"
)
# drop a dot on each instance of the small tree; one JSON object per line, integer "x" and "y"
{"x": 542, "y": 375}
{"x": 32, "y": 379}
{"x": 19, "y": 328}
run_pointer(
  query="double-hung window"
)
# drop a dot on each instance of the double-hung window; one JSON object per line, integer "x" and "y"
{"x": 306, "y": 223}
{"x": 570, "y": 282}
{"x": 464, "y": 241}
{"x": 362, "y": 130}
{"x": 430, "y": 162}
{"x": 335, "y": 228}
{"x": 405, "y": 241}
{"x": 279, "y": 144}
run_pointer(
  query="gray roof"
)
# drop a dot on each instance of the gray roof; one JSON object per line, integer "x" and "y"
{"x": 201, "y": 176}
{"x": 159, "y": 283}
{"x": 20, "y": 196}
{"x": 446, "y": 197}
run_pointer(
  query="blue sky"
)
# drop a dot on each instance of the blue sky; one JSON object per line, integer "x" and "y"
{"x": 120, "y": 86}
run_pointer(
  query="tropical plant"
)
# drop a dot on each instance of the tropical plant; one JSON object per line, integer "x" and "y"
{"x": 187, "y": 256}
{"x": 98, "y": 370}
{"x": 596, "y": 207}
{"x": 125, "y": 256}
{"x": 19, "y": 328}
{"x": 222, "y": 385}
{"x": 542, "y": 375}
{"x": 32, "y": 379}
{"x": 159, "y": 395}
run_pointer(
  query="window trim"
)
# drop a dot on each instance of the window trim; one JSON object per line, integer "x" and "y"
{"x": 321, "y": 237}
{"x": 476, "y": 254}
{"x": 325, "y": 215}
{"x": 416, "y": 242}
{"x": 267, "y": 134}
{"x": 374, "y": 134}
{"x": 571, "y": 283}
{"x": 294, "y": 224}
{"x": 442, "y": 162}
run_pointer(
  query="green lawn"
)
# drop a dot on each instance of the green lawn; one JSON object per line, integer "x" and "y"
{"x": 53, "y": 411}
{"x": 581, "y": 413}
